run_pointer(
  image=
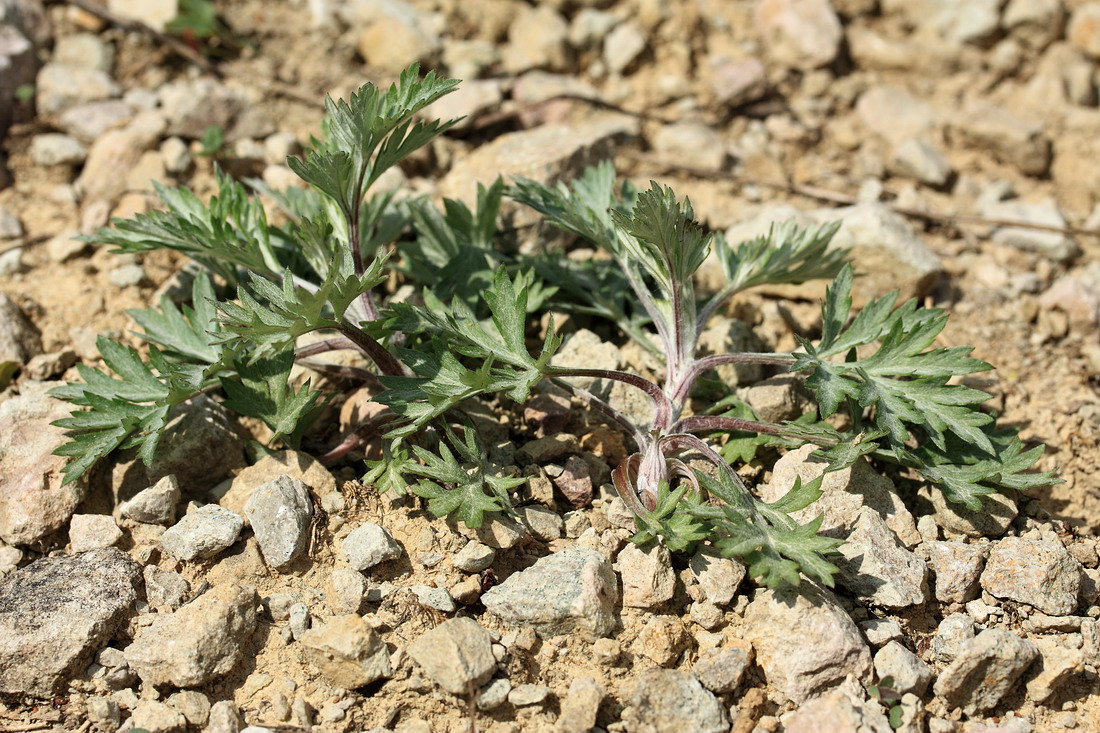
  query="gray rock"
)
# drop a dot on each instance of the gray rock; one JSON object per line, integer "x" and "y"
{"x": 56, "y": 149}
{"x": 804, "y": 641}
{"x": 157, "y": 717}
{"x": 154, "y": 505}
{"x": 128, "y": 275}
{"x": 104, "y": 712}
{"x": 202, "y": 534}
{"x": 1019, "y": 142}
{"x": 20, "y": 339}
{"x": 880, "y": 631}
{"x": 235, "y": 494}
{"x": 580, "y": 705}
{"x": 1053, "y": 245}
{"x": 194, "y": 706}
{"x": 280, "y": 512}
{"x": 58, "y": 88}
{"x": 956, "y": 567}
{"x": 86, "y": 122}
{"x": 33, "y": 500}
{"x": 498, "y": 531}
{"x": 349, "y": 590}
{"x": 894, "y": 114}
{"x": 622, "y": 46}
{"x": 437, "y": 598}
{"x": 648, "y": 579}
{"x": 691, "y": 144}
{"x": 165, "y": 588}
{"x": 548, "y": 154}
{"x": 1040, "y": 573}
{"x": 84, "y": 51}
{"x": 190, "y": 106}
{"x": 884, "y": 246}
{"x": 298, "y": 620}
{"x": 721, "y": 670}
{"x": 347, "y": 651}
{"x": 843, "y": 709}
{"x": 369, "y": 545}
{"x": 537, "y": 39}
{"x": 718, "y": 576}
{"x": 951, "y": 637}
{"x": 199, "y": 446}
{"x": 1058, "y": 663}
{"x": 844, "y": 494}
{"x": 526, "y": 695}
{"x": 494, "y": 694}
{"x": 474, "y": 557}
{"x": 906, "y": 669}
{"x": 224, "y": 718}
{"x": 457, "y": 655}
{"x": 671, "y": 700}
{"x": 56, "y": 612}
{"x": 18, "y": 64}
{"x": 10, "y": 228}
{"x": 571, "y": 590}
{"x": 917, "y": 158}
{"x": 545, "y": 524}
{"x": 992, "y": 520}
{"x": 200, "y": 642}
{"x": 779, "y": 398}
{"x": 735, "y": 82}
{"x": 985, "y": 670}
{"x": 799, "y": 34}
{"x": 92, "y": 531}
{"x": 877, "y": 569}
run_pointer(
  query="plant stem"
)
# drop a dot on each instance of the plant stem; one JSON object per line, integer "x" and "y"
{"x": 660, "y": 401}
{"x": 707, "y": 423}
{"x": 321, "y": 347}
{"x": 385, "y": 361}
{"x": 702, "y": 366}
{"x": 595, "y": 402}
{"x": 339, "y": 370}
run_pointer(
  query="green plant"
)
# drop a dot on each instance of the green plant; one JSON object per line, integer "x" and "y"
{"x": 464, "y": 336}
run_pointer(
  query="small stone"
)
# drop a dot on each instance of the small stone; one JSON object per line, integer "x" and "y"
{"x": 735, "y": 82}
{"x": 1054, "y": 245}
{"x": 224, "y": 718}
{"x": 1040, "y": 573}
{"x": 54, "y": 614}
{"x": 662, "y": 639}
{"x": 194, "y": 706}
{"x": 985, "y": 669}
{"x": 86, "y": 122}
{"x": 494, "y": 694}
{"x": 570, "y": 590}
{"x": 1058, "y": 662}
{"x": 437, "y": 598}
{"x": 622, "y": 46}
{"x": 692, "y": 144}
{"x": 880, "y": 631}
{"x": 992, "y": 520}
{"x": 908, "y": 672}
{"x": 154, "y": 13}
{"x": 526, "y": 695}
{"x": 799, "y": 34}
{"x": 200, "y": 642}
{"x": 919, "y": 159}
{"x": 128, "y": 275}
{"x": 84, "y": 51}
{"x": 1084, "y": 29}
{"x": 57, "y": 149}
{"x": 952, "y": 635}
{"x": 707, "y": 615}
{"x": 804, "y": 641}
{"x": 165, "y": 588}
{"x": 202, "y": 534}
{"x": 721, "y": 670}
{"x": 347, "y": 652}
{"x": 470, "y": 101}
{"x": 11, "y": 263}
{"x": 537, "y": 39}
{"x": 779, "y": 398}
{"x": 1020, "y": 142}
{"x": 92, "y": 531}
{"x": 10, "y": 226}
{"x": 368, "y": 545}
{"x": 298, "y": 620}
{"x": 58, "y": 88}
{"x": 457, "y": 655}
{"x": 175, "y": 155}
{"x": 157, "y": 717}
{"x": 877, "y": 569}
{"x": 647, "y": 575}
{"x": 349, "y": 591}
{"x": 280, "y": 512}
{"x": 545, "y": 524}
{"x": 580, "y": 705}
{"x": 154, "y": 505}
{"x": 956, "y": 567}
{"x": 498, "y": 531}
{"x": 590, "y": 26}
{"x": 719, "y": 577}
{"x": 192, "y": 105}
{"x": 474, "y": 557}
{"x": 843, "y": 709}
{"x": 581, "y": 350}
{"x": 235, "y": 494}
{"x": 672, "y": 700}
{"x": 396, "y": 35}
{"x": 103, "y": 712}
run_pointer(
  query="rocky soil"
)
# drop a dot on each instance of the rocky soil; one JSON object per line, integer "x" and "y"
{"x": 204, "y": 593}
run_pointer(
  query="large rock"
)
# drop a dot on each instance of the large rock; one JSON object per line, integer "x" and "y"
{"x": 804, "y": 641}
{"x": 57, "y": 612}
{"x": 1040, "y": 573}
{"x": 33, "y": 500}
{"x": 843, "y": 495}
{"x": 347, "y": 651}
{"x": 877, "y": 569}
{"x": 570, "y": 591}
{"x": 668, "y": 700}
{"x": 985, "y": 670}
{"x": 198, "y": 643}
{"x": 457, "y": 655}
